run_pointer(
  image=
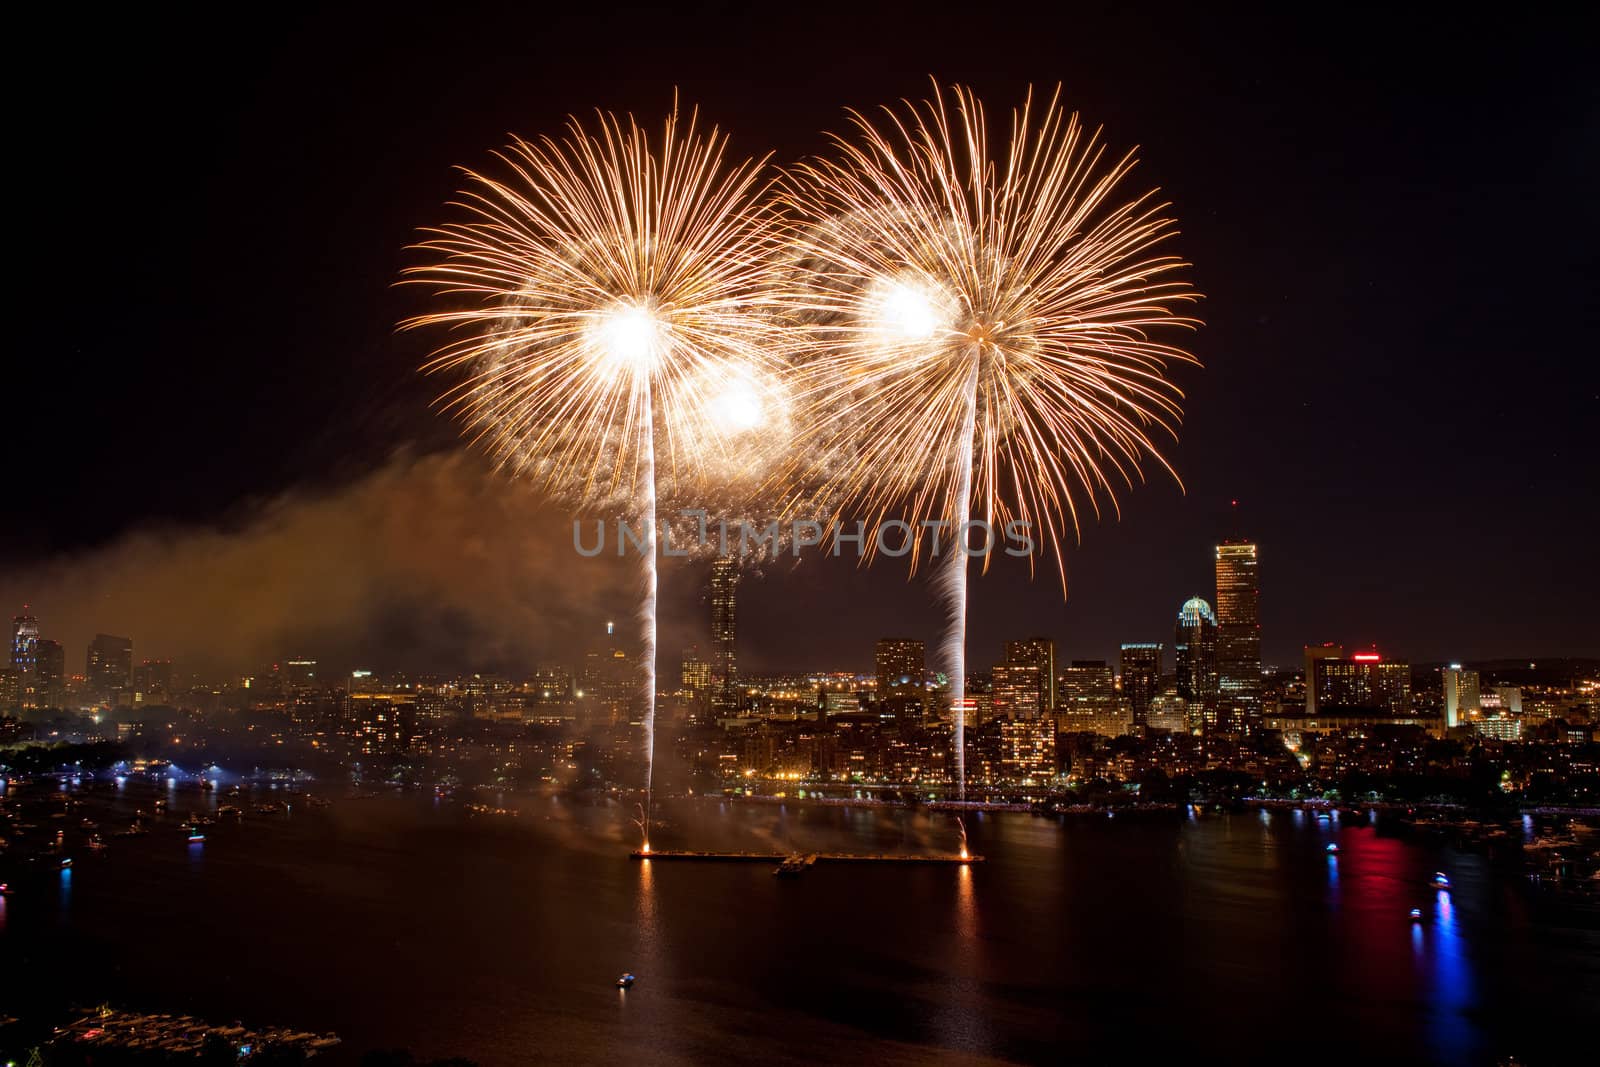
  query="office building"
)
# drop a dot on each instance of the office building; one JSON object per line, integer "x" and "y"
{"x": 1141, "y": 678}
{"x": 108, "y": 667}
{"x": 1194, "y": 651}
{"x": 1038, "y": 652}
{"x": 1314, "y": 655}
{"x": 724, "y": 633}
{"x": 1461, "y": 697}
{"x": 1363, "y": 682}
{"x": 24, "y": 642}
{"x": 1239, "y": 633}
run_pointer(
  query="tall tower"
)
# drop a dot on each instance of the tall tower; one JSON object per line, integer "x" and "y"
{"x": 24, "y": 642}
{"x": 1461, "y": 695}
{"x": 1141, "y": 677}
{"x": 109, "y": 665}
{"x": 1037, "y": 652}
{"x": 1194, "y": 647}
{"x": 724, "y": 659}
{"x": 1239, "y": 632}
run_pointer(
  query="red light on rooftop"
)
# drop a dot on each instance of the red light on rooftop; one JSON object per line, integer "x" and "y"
{"x": 1366, "y": 657}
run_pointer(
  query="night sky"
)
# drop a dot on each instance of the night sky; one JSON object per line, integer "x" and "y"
{"x": 1394, "y": 223}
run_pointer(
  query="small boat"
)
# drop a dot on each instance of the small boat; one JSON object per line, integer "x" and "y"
{"x": 196, "y": 837}
{"x": 1332, "y": 848}
{"x": 5, "y": 889}
{"x": 625, "y": 982}
{"x": 66, "y": 863}
{"x": 1440, "y": 880}
{"x": 1416, "y": 915}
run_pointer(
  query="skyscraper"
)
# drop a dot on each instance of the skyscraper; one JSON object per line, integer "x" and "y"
{"x": 1141, "y": 677}
{"x": 24, "y": 641}
{"x": 1015, "y": 690}
{"x": 1037, "y": 652}
{"x": 1239, "y": 633}
{"x": 1194, "y": 648}
{"x": 724, "y": 661}
{"x": 1461, "y": 695}
{"x": 49, "y": 683}
{"x": 108, "y": 667}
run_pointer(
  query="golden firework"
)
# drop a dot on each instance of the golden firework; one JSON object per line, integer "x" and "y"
{"x": 607, "y": 293}
{"x": 980, "y": 325}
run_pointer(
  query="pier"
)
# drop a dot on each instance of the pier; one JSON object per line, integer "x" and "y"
{"x": 793, "y": 863}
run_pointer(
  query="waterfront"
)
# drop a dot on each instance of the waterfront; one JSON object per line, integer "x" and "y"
{"x": 409, "y": 921}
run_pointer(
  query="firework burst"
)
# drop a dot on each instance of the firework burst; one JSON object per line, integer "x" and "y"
{"x": 606, "y": 297}
{"x": 980, "y": 327}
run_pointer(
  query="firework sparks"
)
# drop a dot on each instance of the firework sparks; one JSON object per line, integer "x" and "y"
{"x": 607, "y": 301}
{"x": 980, "y": 328}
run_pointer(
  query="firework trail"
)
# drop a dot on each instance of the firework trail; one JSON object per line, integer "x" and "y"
{"x": 979, "y": 330}
{"x": 607, "y": 298}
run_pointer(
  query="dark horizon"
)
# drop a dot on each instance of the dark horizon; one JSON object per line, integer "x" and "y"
{"x": 226, "y": 446}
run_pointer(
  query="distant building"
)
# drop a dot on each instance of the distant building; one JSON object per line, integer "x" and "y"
{"x": 1194, "y": 651}
{"x": 1461, "y": 697}
{"x": 902, "y": 671}
{"x": 108, "y": 666}
{"x": 1168, "y": 711}
{"x": 152, "y": 679}
{"x": 1239, "y": 632}
{"x": 1363, "y": 682}
{"x": 1038, "y": 652}
{"x": 1028, "y": 749}
{"x": 300, "y": 673}
{"x": 1016, "y": 690}
{"x": 694, "y": 673}
{"x": 1314, "y": 655}
{"x": 1141, "y": 677}
{"x": 24, "y": 642}
{"x": 1086, "y": 685}
{"x": 724, "y": 633}
{"x": 49, "y": 683}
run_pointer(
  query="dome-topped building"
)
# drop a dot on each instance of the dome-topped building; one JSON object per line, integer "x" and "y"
{"x": 1195, "y": 645}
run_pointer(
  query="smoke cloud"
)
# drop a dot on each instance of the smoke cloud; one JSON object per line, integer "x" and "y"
{"x": 427, "y": 563}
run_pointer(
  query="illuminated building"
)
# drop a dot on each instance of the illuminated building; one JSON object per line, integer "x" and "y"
{"x": 24, "y": 642}
{"x": 1141, "y": 677}
{"x": 1314, "y": 655}
{"x": 49, "y": 683}
{"x": 1194, "y": 651}
{"x": 300, "y": 673}
{"x": 724, "y": 631}
{"x": 1461, "y": 699}
{"x": 1510, "y": 698}
{"x": 1027, "y": 749}
{"x": 1239, "y": 632}
{"x": 153, "y": 677}
{"x": 902, "y": 677}
{"x": 694, "y": 673}
{"x": 1365, "y": 681}
{"x": 109, "y": 665}
{"x": 1086, "y": 685}
{"x": 1015, "y": 690}
{"x": 10, "y": 688}
{"x": 1168, "y": 711}
{"x": 1038, "y": 652}
{"x": 382, "y": 723}
{"x": 1498, "y": 728}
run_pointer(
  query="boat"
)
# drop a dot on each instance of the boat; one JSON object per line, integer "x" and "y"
{"x": 196, "y": 837}
{"x": 5, "y": 889}
{"x": 1332, "y": 848}
{"x": 625, "y": 981}
{"x": 66, "y": 863}
{"x": 1416, "y": 915}
{"x": 1440, "y": 880}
